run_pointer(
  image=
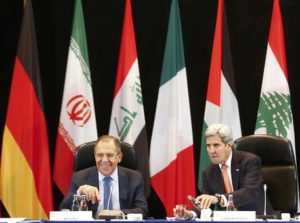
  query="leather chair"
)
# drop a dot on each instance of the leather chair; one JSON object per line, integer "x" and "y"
{"x": 84, "y": 156}
{"x": 278, "y": 168}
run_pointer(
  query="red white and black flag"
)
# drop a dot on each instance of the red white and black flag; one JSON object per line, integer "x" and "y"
{"x": 127, "y": 118}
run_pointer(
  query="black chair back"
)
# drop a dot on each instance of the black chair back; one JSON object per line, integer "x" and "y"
{"x": 278, "y": 168}
{"x": 84, "y": 156}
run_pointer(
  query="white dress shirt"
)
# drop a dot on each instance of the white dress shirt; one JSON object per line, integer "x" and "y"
{"x": 114, "y": 193}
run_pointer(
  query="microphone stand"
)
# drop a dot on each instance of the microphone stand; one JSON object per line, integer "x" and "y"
{"x": 266, "y": 216}
{"x": 265, "y": 199}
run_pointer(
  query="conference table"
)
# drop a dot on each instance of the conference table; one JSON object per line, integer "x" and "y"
{"x": 159, "y": 221}
{"x": 143, "y": 221}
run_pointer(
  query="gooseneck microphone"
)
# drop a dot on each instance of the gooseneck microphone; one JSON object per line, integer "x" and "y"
{"x": 265, "y": 199}
{"x": 265, "y": 216}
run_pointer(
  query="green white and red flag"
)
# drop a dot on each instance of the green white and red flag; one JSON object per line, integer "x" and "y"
{"x": 172, "y": 166}
{"x": 77, "y": 123}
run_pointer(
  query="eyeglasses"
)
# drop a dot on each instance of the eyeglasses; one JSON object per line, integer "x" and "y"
{"x": 108, "y": 155}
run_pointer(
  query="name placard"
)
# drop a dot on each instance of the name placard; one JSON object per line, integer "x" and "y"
{"x": 70, "y": 215}
{"x": 234, "y": 216}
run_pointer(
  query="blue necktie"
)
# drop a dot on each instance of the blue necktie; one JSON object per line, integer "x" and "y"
{"x": 107, "y": 193}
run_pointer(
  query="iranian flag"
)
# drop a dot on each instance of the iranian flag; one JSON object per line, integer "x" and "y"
{"x": 172, "y": 149}
{"x": 77, "y": 123}
{"x": 25, "y": 178}
{"x": 274, "y": 114}
{"x": 127, "y": 118}
{"x": 221, "y": 103}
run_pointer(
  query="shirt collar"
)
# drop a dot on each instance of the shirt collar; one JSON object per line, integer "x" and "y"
{"x": 228, "y": 161}
{"x": 114, "y": 175}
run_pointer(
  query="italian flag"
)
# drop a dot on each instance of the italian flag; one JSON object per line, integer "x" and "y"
{"x": 172, "y": 150}
{"x": 274, "y": 114}
{"x": 25, "y": 178}
{"x": 221, "y": 103}
{"x": 77, "y": 123}
{"x": 127, "y": 119}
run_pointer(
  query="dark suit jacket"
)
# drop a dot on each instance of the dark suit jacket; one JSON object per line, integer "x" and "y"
{"x": 247, "y": 182}
{"x": 131, "y": 190}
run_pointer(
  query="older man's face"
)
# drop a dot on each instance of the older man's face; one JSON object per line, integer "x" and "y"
{"x": 107, "y": 157}
{"x": 217, "y": 150}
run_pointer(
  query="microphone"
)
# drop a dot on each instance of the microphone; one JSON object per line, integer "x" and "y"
{"x": 266, "y": 216}
{"x": 193, "y": 201}
{"x": 265, "y": 199}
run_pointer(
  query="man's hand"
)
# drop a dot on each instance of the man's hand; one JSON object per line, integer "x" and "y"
{"x": 181, "y": 212}
{"x": 91, "y": 193}
{"x": 110, "y": 213}
{"x": 205, "y": 200}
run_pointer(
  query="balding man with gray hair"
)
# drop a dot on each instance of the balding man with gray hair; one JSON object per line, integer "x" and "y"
{"x": 232, "y": 172}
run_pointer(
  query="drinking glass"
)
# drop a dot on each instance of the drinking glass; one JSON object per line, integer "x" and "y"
{"x": 75, "y": 203}
{"x": 83, "y": 203}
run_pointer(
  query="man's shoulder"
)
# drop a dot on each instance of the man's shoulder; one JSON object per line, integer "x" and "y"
{"x": 245, "y": 155}
{"x": 211, "y": 167}
{"x": 123, "y": 171}
{"x": 246, "y": 159}
{"x": 86, "y": 171}
{"x": 129, "y": 171}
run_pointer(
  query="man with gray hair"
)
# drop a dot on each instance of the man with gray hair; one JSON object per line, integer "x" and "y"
{"x": 231, "y": 172}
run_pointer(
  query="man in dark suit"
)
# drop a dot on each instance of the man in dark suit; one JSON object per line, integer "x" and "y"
{"x": 231, "y": 172}
{"x": 126, "y": 188}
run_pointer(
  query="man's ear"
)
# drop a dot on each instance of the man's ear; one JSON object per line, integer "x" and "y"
{"x": 230, "y": 144}
{"x": 121, "y": 157}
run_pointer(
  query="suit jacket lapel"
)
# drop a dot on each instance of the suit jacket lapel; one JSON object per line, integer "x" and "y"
{"x": 218, "y": 180}
{"x": 235, "y": 170}
{"x": 123, "y": 185}
{"x": 93, "y": 180}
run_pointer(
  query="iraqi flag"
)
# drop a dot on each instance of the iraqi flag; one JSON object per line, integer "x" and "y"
{"x": 25, "y": 181}
{"x": 274, "y": 114}
{"x": 77, "y": 123}
{"x": 127, "y": 118}
{"x": 221, "y": 103}
{"x": 172, "y": 149}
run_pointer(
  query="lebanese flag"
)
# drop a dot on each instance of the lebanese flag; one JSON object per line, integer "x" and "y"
{"x": 25, "y": 178}
{"x": 274, "y": 114}
{"x": 221, "y": 104}
{"x": 127, "y": 119}
{"x": 77, "y": 123}
{"x": 172, "y": 149}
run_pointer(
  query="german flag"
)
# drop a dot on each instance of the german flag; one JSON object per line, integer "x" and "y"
{"x": 25, "y": 180}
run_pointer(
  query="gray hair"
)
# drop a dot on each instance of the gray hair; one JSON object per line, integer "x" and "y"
{"x": 221, "y": 130}
{"x": 107, "y": 138}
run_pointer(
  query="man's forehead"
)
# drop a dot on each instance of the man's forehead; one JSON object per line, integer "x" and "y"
{"x": 214, "y": 139}
{"x": 105, "y": 145}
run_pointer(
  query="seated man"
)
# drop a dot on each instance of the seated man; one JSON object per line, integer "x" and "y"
{"x": 124, "y": 187}
{"x": 231, "y": 172}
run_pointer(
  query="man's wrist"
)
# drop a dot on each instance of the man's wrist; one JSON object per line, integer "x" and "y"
{"x": 219, "y": 197}
{"x": 222, "y": 201}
